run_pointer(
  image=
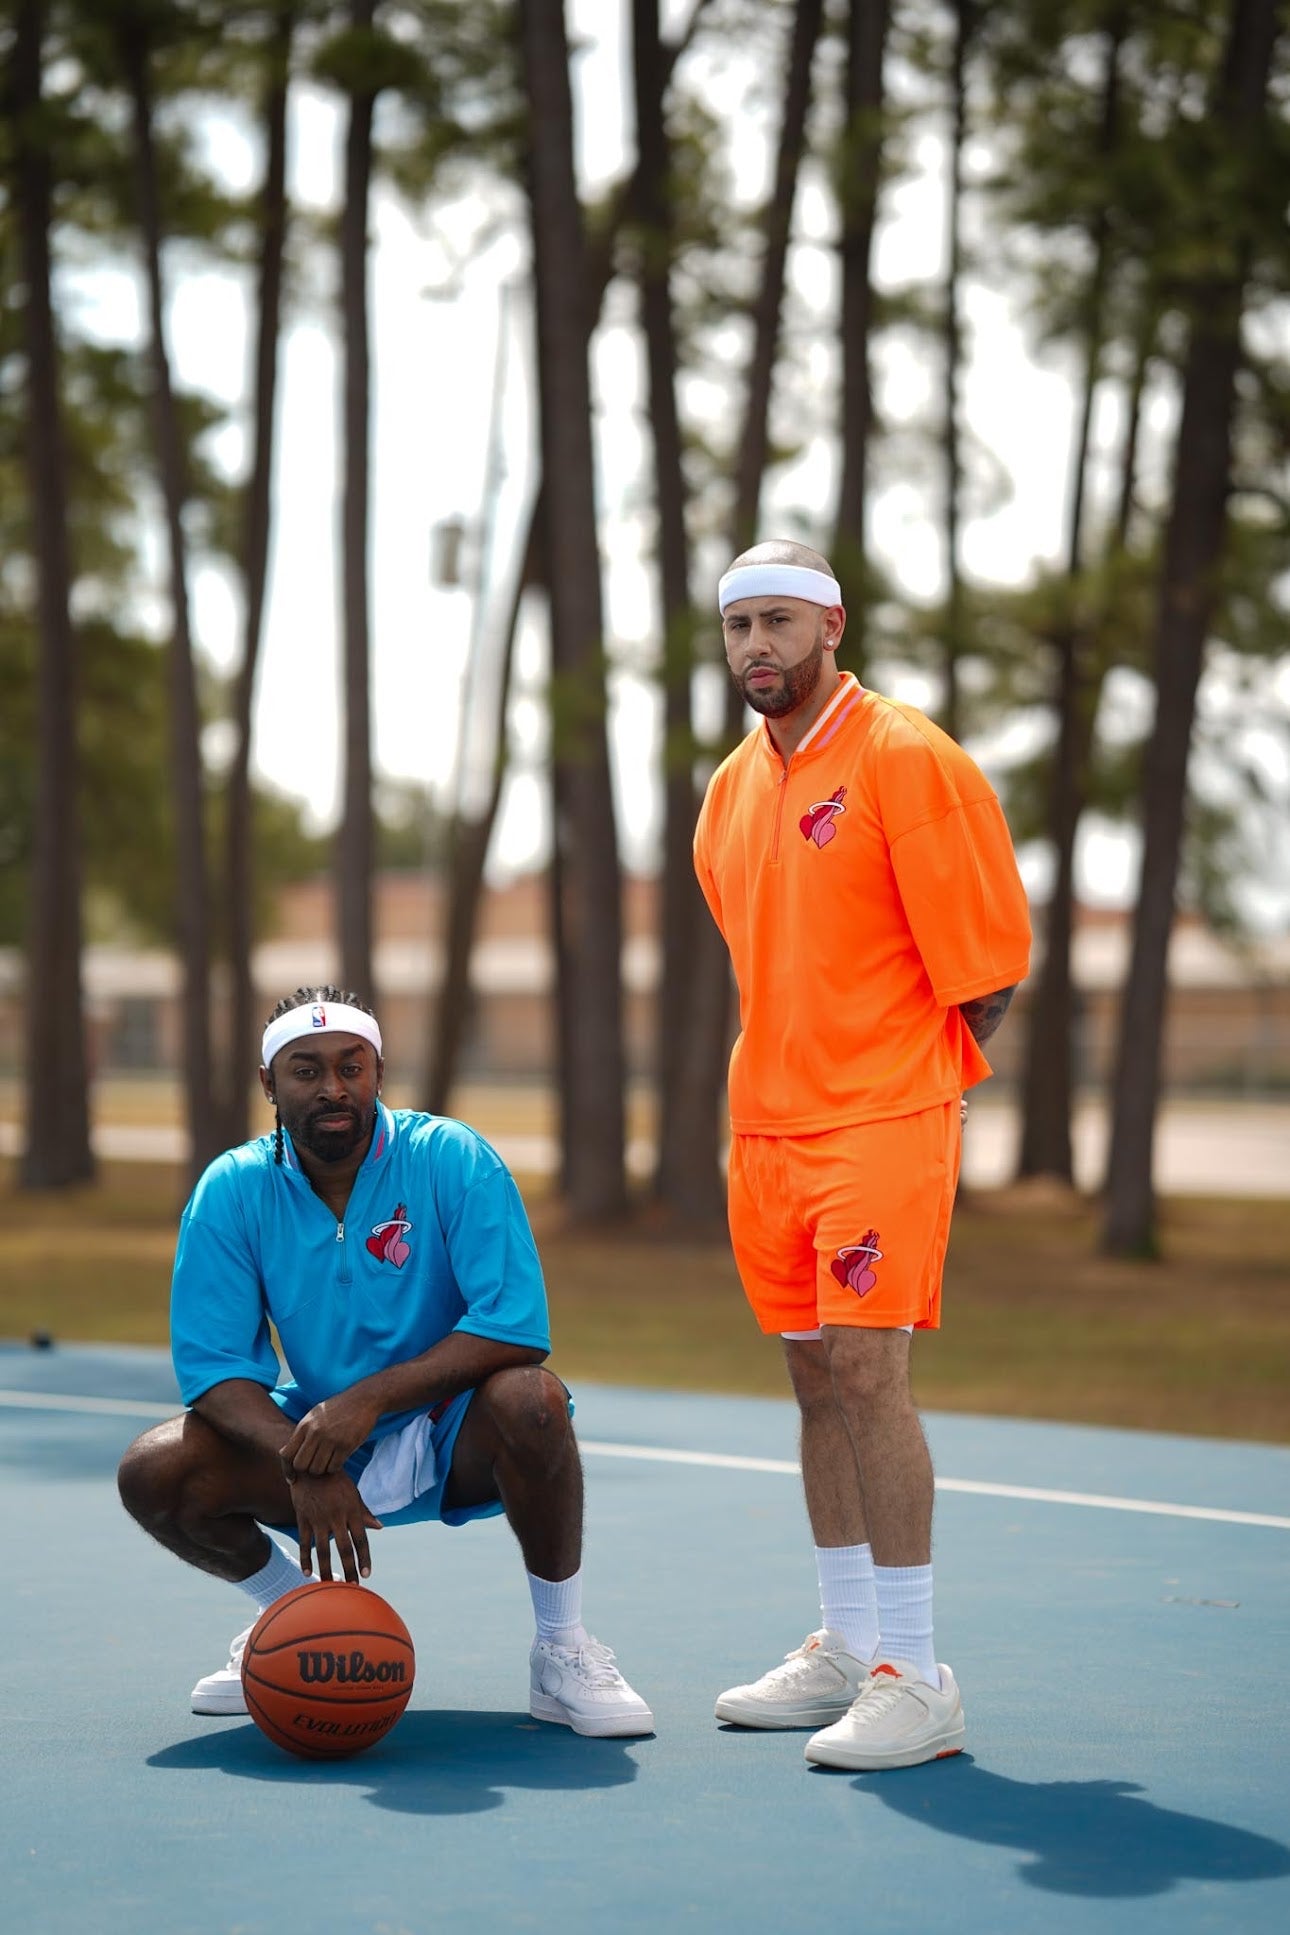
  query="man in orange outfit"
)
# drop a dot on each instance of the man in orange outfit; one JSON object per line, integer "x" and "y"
{"x": 861, "y": 872}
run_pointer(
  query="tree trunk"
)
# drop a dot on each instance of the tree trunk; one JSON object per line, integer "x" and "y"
{"x": 465, "y": 872}
{"x": 467, "y": 853}
{"x": 355, "y": 843}
{"x": 707, "y": 1017}
{"x": 859, "y": 174}
{"x": 191, "y": 894}
{"x": 1193, "y": 548}
{"x": 239, "y": 853}
{"x": 777, "y": 220}
{"x": 954, "y": 642}
{"x": 1126, "y": 496}
{"x": 1048, "y": 1077}
{"x": 675, "y": 1180}
{"x": 593, "y": 1102}
{"x": 56, "y": 1150}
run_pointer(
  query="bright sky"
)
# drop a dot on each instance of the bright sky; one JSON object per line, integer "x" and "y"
{"x": 436, "y": 299}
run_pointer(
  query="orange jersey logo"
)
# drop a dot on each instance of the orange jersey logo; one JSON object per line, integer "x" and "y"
{"x": 819, "y": 823}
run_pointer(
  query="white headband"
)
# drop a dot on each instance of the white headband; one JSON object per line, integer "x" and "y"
{"x": 316, "y": 1018}
{"x": 790, "y": 580}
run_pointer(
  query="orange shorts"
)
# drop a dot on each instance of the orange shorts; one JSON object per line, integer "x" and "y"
{"x": 848, "y": 1227}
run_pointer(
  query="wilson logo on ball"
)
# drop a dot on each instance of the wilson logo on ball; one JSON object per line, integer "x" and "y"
{"x": 348, "y": 1669}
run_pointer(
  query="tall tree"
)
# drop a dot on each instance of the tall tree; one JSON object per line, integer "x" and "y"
{"x": 239, "y": 873}
{"x": 674, "y": 1180}
{"x": 753, "y": 453}
{"x": 705, "y": 1020}
{"x": 858, "y": 179}
{"x": 482, "y": 753}
{"x": 589, "y": 929}
{"x": 1235, "y": 140}
{"x": 470, "y": 836}
{"x": 954, "y": 641}
{"x": 134, "y": 25}
{"x": 1048, "y": 1072}
{"x": 57, "y": 1146}
{"x": 354, "y": 844}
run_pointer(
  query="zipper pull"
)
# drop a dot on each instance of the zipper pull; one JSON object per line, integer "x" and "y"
{"x": 340, "y": 1232}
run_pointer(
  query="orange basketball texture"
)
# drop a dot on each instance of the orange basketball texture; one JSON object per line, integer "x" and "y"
{"x": 328, "y": 1669}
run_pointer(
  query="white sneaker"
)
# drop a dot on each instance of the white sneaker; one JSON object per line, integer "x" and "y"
{"x": 222, "y": 1692}
{"x": 582, "y": 1688}
{"x": 816, "y": 1683}
{"x": 897, "y": 1720}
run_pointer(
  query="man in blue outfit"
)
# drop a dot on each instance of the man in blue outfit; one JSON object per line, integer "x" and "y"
{"x": 392, "y": 1253}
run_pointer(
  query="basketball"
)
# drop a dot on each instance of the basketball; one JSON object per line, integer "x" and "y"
{"x": 327, "y": 1670}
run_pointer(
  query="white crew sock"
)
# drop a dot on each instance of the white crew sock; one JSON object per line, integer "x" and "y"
{"x": 557, "y": 1608}
{"x": 848, "y": 1604}
{"x": 274, "y": 1580}
{"x": 904, "y": 1595}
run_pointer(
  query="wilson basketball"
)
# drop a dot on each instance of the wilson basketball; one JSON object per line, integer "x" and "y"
{"x": 327, "y": 1670}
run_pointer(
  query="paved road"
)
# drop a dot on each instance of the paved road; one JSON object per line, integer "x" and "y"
{"x": 1202, "y": 1148}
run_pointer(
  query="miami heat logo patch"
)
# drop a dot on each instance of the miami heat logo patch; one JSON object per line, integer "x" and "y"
{"x": 820, "y": 823}
{"x": 386, "y": 1241}
{"x": 853, "y": 1264}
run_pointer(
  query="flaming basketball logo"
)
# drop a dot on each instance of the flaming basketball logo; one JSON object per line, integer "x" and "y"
{"x": 853, "y": 1264}
{"x": 819, "y": 824}
{"x": 386, "y": 1241}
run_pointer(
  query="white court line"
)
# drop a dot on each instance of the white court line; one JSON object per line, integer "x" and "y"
{"x": 978, "y": 1486}
{"x": 722, "y": 1461}
{"x": 101, "y": 1407}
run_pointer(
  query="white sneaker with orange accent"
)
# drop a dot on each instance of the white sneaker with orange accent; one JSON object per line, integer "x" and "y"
{"x": 896, "y": 1720}
{"x": 816, "y": 1683}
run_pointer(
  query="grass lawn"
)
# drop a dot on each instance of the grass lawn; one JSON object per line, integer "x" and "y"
{"x": 1036, "y": 1323}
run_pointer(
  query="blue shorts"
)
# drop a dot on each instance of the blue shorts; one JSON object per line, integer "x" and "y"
{"x": 412, "y": 1466}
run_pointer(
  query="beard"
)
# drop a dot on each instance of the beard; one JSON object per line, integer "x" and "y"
{"x": 798, "y": 683}
{"x": 330, "y": 1145}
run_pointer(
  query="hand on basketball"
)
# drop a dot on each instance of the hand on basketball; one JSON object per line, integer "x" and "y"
{"x": 326, "y": 1436}
{"x": 330, "y": 1511}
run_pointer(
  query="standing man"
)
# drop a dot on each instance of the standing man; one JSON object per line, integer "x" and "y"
{"x": 391, "y": 1252}
{"x": 860, "y": 869}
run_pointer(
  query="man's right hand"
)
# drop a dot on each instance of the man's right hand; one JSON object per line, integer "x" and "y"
{"x": 330, "y": 1510}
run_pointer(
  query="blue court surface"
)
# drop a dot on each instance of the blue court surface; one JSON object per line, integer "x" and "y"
{"x": 1115, "y": 1606}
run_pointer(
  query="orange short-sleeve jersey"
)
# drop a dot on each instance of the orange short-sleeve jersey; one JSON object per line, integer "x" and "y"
{"x": 864, "y": 891}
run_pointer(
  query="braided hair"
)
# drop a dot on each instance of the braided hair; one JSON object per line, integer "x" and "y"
{"x": 306, "y": 997}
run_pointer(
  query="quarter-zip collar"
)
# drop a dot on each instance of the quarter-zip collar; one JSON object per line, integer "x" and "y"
{"x": 826, "y": 727}
{"x": 385, "y": 1132}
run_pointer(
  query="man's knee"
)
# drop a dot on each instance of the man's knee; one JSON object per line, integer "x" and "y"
{"x": 809, "y": 1374}
{"x": 531, "y": 1409}
{"x": 149, "y": 1477}
{"x": 175, "y": 1474}
{"x": 867, "y": 1367}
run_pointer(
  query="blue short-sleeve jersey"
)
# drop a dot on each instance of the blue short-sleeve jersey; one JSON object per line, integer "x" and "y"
{"x": 435, "y": 1239}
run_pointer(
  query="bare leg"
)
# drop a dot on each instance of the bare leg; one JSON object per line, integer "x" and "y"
{"x": 870, "y": 1371}
{"x": 830, "y": 1477}
{"x": 200, "y": 1496}
{"x": 517, "y": 1444}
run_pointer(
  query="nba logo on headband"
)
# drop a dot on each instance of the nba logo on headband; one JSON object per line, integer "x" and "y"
{"x": 316, "y": 1018}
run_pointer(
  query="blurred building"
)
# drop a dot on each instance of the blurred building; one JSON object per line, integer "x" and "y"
{"x": 1228, "y": 1025}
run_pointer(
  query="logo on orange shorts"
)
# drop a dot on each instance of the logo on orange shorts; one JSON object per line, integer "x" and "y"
{"x": 853, "y": 1264}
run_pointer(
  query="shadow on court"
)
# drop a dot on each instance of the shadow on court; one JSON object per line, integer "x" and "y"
{"x": 124, "y": 1813}
{"x": 447, "y": 1762}
{"x": 1091, "y": 1838}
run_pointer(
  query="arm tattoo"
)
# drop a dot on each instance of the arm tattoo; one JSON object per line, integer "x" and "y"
{"x": 985, "y": 1013}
